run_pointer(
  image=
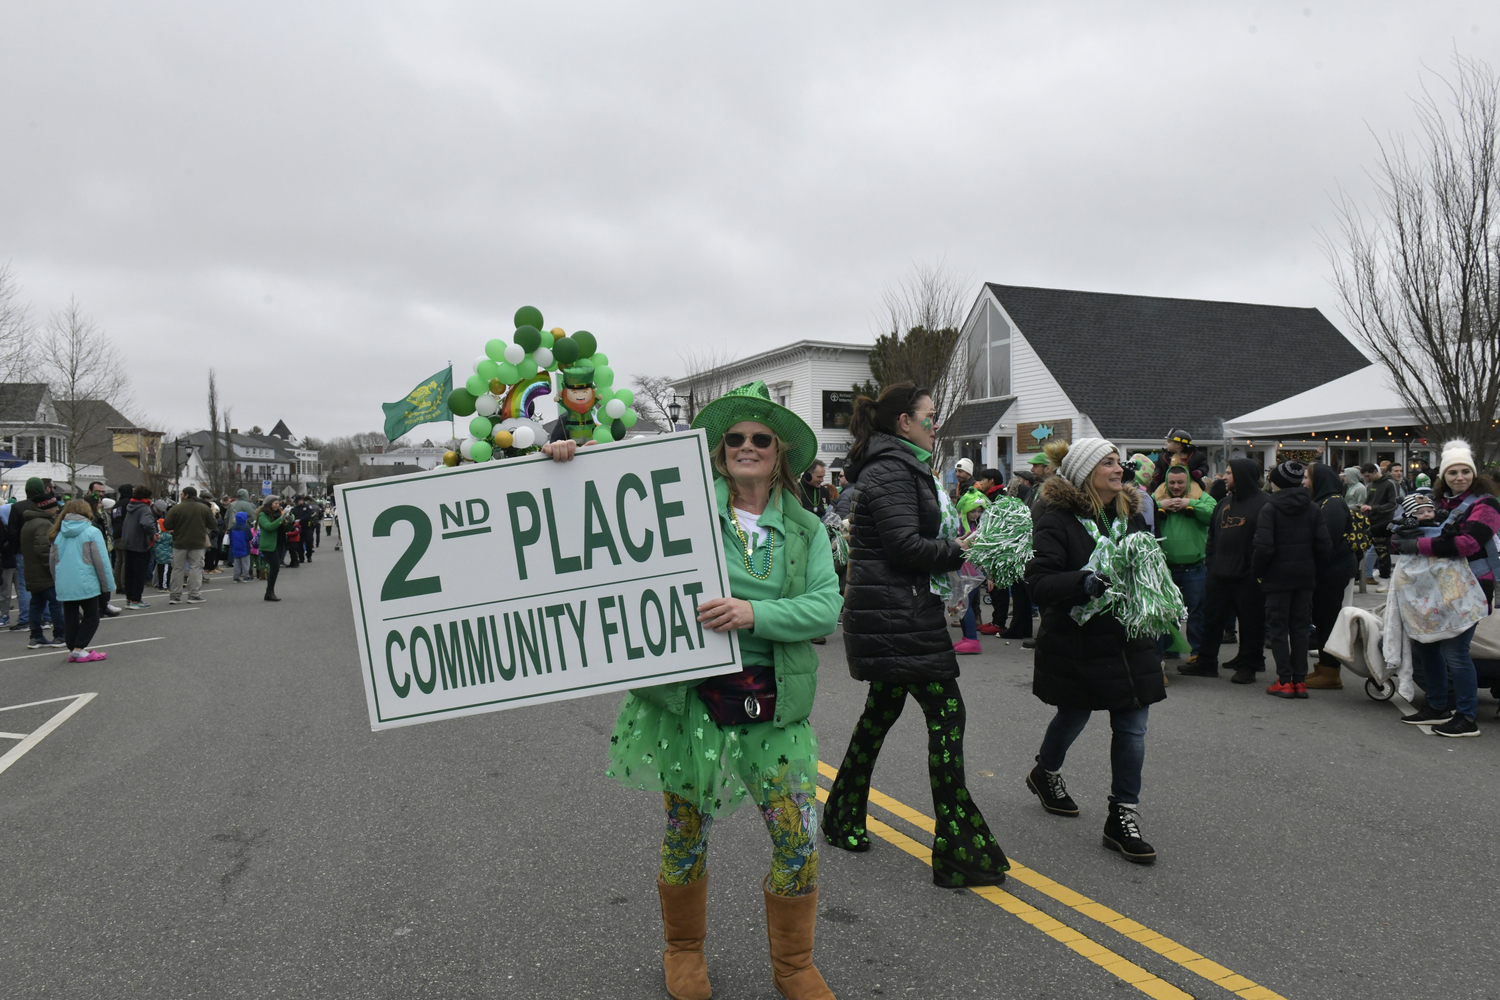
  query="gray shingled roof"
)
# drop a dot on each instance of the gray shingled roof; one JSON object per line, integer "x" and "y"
{"x": 976, "y": 419}
{"x": 1140, "y": 366}
{"x": 19, "y": 401}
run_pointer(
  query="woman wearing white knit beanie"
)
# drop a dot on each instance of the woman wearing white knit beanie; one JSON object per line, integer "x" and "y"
{"x": 1090, "y": 667}
{"x": 1464, "y": 504}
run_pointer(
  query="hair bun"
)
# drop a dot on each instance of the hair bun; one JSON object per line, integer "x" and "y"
{"x": 1055, "y": 450}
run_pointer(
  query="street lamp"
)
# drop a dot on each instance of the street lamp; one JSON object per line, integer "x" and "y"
{"x": 674, "y": 409}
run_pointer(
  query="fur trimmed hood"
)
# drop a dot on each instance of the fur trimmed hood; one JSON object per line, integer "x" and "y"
{"x": 1194, "y": 490}
{"x": 1060, "y": 493}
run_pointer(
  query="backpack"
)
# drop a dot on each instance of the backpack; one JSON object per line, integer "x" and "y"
{"x": 1357, "y": 535}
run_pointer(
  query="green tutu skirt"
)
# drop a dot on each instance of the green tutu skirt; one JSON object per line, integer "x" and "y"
{"x": 715, "y": 767}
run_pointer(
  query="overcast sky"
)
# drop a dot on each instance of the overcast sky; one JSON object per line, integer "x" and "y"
{"x": 327, "y": 202}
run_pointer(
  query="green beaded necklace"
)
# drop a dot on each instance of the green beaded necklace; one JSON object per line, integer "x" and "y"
{"x": 770, "y": 545}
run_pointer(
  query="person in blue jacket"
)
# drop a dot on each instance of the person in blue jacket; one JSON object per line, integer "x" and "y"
{"x": 80, "y": 573}
{"x": 239, "y": 546}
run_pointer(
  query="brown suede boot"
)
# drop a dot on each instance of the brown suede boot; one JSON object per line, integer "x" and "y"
{"x": 789, "y": 926}
{"x": 1325, "y": 678}
{"x": 684, "y": 919}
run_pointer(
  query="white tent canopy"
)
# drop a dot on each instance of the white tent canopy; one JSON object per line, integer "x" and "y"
{"x": 1360, "y": 399}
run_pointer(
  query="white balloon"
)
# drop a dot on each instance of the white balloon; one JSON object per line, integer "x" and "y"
{"x": 486, "y": 405}
{"x": 523, "y": 437}
{"x": 543, "y": 357}
{"x": 478, "y": 360}
{"x": 464, "y": 449}
{"x": 614, "y": 409}
{"x": 514, "y": 353}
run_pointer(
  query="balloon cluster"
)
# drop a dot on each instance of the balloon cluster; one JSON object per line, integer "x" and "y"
{"x": 509, "y": 378}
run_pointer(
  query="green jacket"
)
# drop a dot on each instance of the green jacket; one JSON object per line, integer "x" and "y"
{"x": 268, "y": 529}
{"x": 36, "y": 548}
{"x": 809, "y": 607}
{"x": 1184, "y": 534}
{"x": 191, "y": 523}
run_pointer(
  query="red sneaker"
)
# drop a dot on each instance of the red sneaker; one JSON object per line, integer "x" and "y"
{"x": 990, "y": 629}
{"x": 1283, "y": 689}
{"x": 1299, "y": 689}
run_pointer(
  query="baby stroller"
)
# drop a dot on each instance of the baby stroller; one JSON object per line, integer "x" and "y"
{"x": 1356, "y": 643}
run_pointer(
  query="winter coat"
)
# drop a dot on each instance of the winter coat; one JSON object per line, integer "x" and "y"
{"x": 1184, "y": 533}
{"x": 844, "y": 505}
{"x": 191, "y": 524}
{"x": 79, "y": 561}
{"x": 239, "y": 536}
{"x": 242, "y": 503}
{"x": 894, "y": 626}
{"x": 36, "y": 547}
{"x": 1195, "y": 459}
{"x": 1464, "y": 537}
{"x": 269, "y": 527}
{"x": 789, "y": 624}
{"x": 138, "y": 526}
{"x": 1231, "y": 534}
{"x": 1290, "y": 541}
{"x": 1327, "y": 494}
{"x": 1383, "y": 499}
{"x": 15, "y": 523}
{"x": 1090, "y": 666}
{"x": 162, "y": 550}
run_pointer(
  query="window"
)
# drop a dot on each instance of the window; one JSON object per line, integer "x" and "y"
{"x": 987, "y": 349}
{"x": 838, "y": 407}
{"x": 41, "y": 450}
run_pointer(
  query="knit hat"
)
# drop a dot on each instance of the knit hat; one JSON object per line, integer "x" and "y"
{"x": 1083, "y": 455}
{"x": 1414, "y": 502}
{"x": 45, "y": 502}
{"x": 1288, "y": 474}
{"x": 1455, "y": 452}
{"x": 34, "y": 488}
{"x": 1423, "y": 479}
{"x": 964, "y": 465}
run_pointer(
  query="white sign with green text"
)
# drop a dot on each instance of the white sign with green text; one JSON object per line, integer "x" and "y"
{"x": 508, "y": 583}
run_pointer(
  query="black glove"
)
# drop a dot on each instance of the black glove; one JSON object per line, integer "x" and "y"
{"x": 1408, "y": 528}
{"x": 1095, "y": 585}
{"x": 1404, "y": 546}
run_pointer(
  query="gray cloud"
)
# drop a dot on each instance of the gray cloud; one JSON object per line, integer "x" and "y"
{"x": 326, "y": 204}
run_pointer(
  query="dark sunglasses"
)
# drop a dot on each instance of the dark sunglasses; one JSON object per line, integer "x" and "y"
{"x": 737, "y": 440}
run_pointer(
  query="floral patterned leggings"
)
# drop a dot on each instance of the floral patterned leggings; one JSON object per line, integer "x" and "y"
{"x": 963, "y": 848}
{"x": 791, "y": 818}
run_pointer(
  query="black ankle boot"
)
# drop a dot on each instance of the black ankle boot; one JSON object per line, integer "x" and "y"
{"x": 1051, "y": 790}
{"x": 957, "y": 867}
{"x": 271, "y": 596}
{"x": 1122, "y": 833}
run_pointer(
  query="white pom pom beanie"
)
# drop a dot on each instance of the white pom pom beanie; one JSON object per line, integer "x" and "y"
{"x": 1456, "y": 452}
{"x": 1083, "y": 455}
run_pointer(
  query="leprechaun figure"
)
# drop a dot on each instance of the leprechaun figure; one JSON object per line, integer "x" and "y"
{"x": 576, "y": 401}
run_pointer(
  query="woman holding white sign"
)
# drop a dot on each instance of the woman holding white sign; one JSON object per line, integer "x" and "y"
{"x": 708, "y": 745}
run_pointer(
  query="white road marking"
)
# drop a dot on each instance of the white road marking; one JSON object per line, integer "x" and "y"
{"x": 20, "y": 749}
{"x": 146, "y": 614}
{"x": 1399, "y": 701}
{"x": 13, "y": 736}
{"x": 54, "y": 652}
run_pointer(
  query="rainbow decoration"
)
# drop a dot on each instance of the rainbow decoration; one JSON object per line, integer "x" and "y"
{"x": 520, "y": 399}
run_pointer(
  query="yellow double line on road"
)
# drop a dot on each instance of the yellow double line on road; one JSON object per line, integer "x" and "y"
{"x": 1148, "y": 983}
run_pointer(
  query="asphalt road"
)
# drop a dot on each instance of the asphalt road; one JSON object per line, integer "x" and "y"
{"x": 219, "y": 821}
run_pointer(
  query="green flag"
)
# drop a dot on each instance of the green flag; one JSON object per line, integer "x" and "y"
{"x": 426, "y": 404}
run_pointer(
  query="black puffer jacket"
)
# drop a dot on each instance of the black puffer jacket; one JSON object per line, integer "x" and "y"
{"x": 1231, "y": 534}
{"x": 1290, "y": 541}
{"x": 1328, "y": 494}
{"x": 894, "y": 627}
{"x": 1093, "y": 665}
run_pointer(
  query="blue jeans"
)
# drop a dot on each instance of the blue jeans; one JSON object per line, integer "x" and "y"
{"x": 43, "y": 601}
{"x": 1127, "y": 747}
{"x": 1193, "y": 582}
{"x": 1438, "y": 661}
{"x": 971, "y": 616}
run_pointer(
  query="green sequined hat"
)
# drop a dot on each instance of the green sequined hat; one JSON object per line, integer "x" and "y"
{"x": 753, "y": 402}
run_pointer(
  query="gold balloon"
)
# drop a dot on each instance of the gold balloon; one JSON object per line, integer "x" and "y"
{"x": 450, "y": 458}
{"x": 557, "y": 332}
{"x": 497, "y": 387}
{"x": 503, "y": 439}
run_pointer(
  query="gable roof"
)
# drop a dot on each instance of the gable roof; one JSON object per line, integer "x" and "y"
{"x": 19, "y": 401}
{"x": 976, "y": 418}
{"x": 1114, "y": 356}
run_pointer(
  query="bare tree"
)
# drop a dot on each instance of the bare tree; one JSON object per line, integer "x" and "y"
{"x": 653, "y": 394}
{"x": 215, "y": 464}
{"x": 84, "y": 370}
{"x": 707, "y": 376}
{"x": 1420, "y": 281}
{"x": 16, "y": 362}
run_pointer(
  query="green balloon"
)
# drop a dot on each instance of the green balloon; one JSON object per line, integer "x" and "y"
{"x": 480, "y": 427}
{"x": 508, "y": 373}
{"x": 629, "y": 418}
{"x": 480, "y": 451}
{"x": 626, "y": 396}
{"x": 477, "y": 386}
{"x": 529, "y": 338}
{"x": 460, "y": 402}
{"x": 488, "y": 370}
{"x": 495, "y": 349}
{"x": 529, "y": 316}
{"x": 603, "y": 435}
{"x": 599, "y": 359}
{"x": 617, "y": 429}
{"x": 565, "y": 351}
{"x": 603, "y": 396}
{"x": 526, "y": 367}
{"x": 604, "y": 376}
{"x": 547, "y": 339}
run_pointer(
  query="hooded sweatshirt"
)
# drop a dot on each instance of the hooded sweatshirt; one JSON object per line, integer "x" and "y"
{"x": 239, "y": 536}
{"x": 1231, "y": 534}
{"x": 79, "y": 563}
{"x": 1184, "y": 533}
{"x": 242, "y": 503}
{"x": 1290, "y": 540}
{"x": 1327, "y": 492}
{"x": 1355, "y": 490}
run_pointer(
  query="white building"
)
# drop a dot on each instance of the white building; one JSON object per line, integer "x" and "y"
{"x": 813, "y": 378}
{"x": 427, "y": 456}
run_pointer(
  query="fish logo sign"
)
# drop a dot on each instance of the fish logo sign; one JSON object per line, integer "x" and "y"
{"x": 1042, "y": 432}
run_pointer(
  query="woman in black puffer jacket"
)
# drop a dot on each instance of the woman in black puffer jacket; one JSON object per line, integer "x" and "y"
{"x": 896, "y": 635}
{"x": 1093, "y": 666}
